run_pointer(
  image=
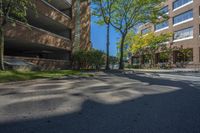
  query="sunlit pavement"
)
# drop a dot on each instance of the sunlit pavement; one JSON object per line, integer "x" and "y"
{"x": 106, "y": 103}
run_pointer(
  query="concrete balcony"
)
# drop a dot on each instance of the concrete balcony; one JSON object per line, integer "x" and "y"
{"x": 21, "y": 36}
{"x": 49, "y": 16}
{"x": 62, "y": 5}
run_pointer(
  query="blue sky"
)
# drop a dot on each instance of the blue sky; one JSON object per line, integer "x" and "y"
{"x": 98, "y": 37}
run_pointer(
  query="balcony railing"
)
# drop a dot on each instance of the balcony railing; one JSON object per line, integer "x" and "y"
{"x": 53, "y": 13}
{"x": 31, "y": 34}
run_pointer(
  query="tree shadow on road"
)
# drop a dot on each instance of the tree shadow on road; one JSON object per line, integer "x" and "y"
{"x": 173, "y": 112}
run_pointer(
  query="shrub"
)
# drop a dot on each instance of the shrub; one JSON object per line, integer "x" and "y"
{"x": 129, "y": 66}
{"x": 92, "y": 59}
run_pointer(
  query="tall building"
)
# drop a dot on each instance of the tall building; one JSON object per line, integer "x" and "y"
{"x": 184, "y": 23}
{"x": 51, "y": 34}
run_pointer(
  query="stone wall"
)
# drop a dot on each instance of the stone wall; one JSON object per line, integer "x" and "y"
{"x": 81, "y": 19}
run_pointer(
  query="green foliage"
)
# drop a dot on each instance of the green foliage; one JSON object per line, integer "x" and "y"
{"x": 113, "y": 60}
{"x": 102, "y": 9}
{"x": 135, "y": 66}
{"x": 8, "y": 76}
{"x": 127, "y": 43}
{"x": 149, "y": 44}
{"x": 16, "y": 9}
{"x": 185, "y": 55}
{"x": 92, "y": 59}
{"x": 164, "y": 56}
{"x": 154, "y": 42}
{"x": 129, "y": 13}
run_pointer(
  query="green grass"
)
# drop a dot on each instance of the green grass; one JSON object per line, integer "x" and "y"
{"x": 9, "y": 76}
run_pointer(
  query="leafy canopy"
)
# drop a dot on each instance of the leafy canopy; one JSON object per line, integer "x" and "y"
{"x": 151, "y": 41}
{"x": 102, "y": 9}
{"x": 15, "y": 8}
{"x": 130, "y": 13}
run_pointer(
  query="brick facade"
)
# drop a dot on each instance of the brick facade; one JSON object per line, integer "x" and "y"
{"x": 49, "y": 35}
{"x": 193, "y": 43}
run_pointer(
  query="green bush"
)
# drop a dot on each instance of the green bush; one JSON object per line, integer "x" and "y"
{"x": 129, "y": 66}
{"x": 92, "y": 59}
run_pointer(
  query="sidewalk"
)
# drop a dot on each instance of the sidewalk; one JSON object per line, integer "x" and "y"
{"x": 166, "y": 70}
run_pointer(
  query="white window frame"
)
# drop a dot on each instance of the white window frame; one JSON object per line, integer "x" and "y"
{"x": 185, "y": 21}
{"x": 186, "y": 38}
{"x": 186, "y": 4}
{"x": 183, "y": 39}
{"x": 162, "y": 29}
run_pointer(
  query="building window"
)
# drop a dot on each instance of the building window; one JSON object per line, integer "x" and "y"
{"x": 180, "y": 3}
{"x": 186, "y": 16}
{"x": 145, "y": 31}
{"x": 183, "y": 34}
{"x": 164, "y": 10}
{"x": 199, "y": 29}
{"x": 199, "y": 54}
{"x": 161, "y": 25}
{"x": 199, "y": 10}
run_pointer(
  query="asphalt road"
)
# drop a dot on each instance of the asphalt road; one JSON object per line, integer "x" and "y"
{"x": 106, "y": 103}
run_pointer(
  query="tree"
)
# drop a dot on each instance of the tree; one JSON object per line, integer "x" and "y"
{"x": 103, "y": 10}
{"x": 167, "y": 54}
{"x": 97, "y": 58}
{"x": 129, "y": 13}
{"x": 8, "y": 9}
{"x": 149, "y": 45}
{"x": 128, "y": 41}
{"x": 138, "y": 47}
{"x": 154, "y": 44}
{"x": 185, "y": 55}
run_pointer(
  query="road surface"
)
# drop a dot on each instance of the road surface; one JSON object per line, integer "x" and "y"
{"x": 106, "y": 103}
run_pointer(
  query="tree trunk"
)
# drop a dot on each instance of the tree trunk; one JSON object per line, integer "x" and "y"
{"x": 1, "y": 48}
{"x": 107, "y": 47}
{"x": 140, "y": 61}
{"x": 153, "y": 61}
{"x": 121, "y": 62}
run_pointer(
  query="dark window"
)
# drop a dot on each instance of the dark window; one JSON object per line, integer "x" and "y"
{"x": 199, "y": 11}
{"x": 184, "y": 33}
{"x": 164, "y": 10}
{"x": 161, "y": 25}
{"x": 199, "y": 29}
{"x": 183, "y": 17}
{"x": 179, "y": 3}
{"x": 145, "y": 31}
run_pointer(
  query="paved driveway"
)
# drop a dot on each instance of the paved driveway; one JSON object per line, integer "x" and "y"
{"x": 106, "y": 103}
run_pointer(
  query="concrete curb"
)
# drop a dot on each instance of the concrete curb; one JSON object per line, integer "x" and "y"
{"x": 163, "y": 70}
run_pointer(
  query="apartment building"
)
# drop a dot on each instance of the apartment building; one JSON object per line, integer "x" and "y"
{"x": 184, "y": 23}
{"x": 50, "y": 35}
